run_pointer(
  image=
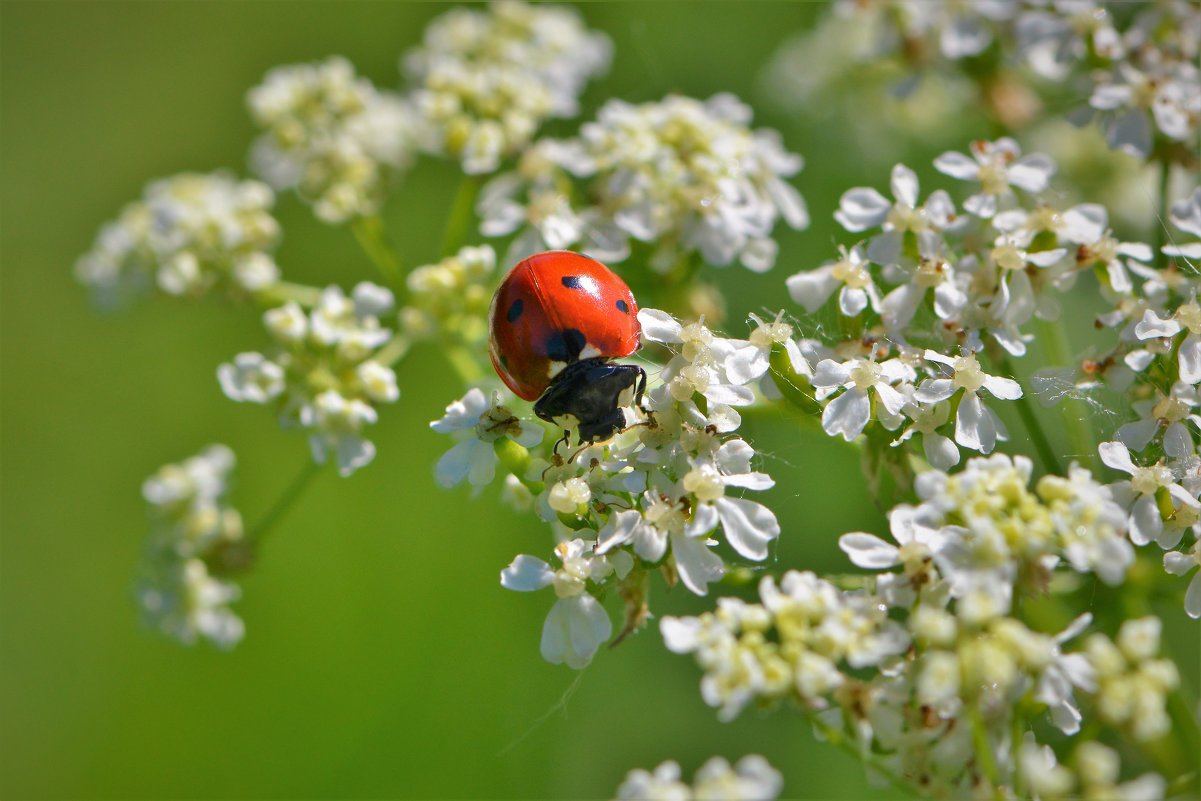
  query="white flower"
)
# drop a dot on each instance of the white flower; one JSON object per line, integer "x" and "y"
{"x": 252, "y": 378}
{"x": 750, "y": 779}
{"x": 487, "y": 79}
{"x": 663, "y": 784}
{"x": 748, "y": 526}
{"x": 191, "y": 525}
{"x": 1138, "y": 494}
{"x": 939, "y": 451}
{"x": 186, "y": 603}
{"x": 450, "y": 299}
{"x": 336, "y": 422}
{"x": 850, "y": 412}
{"x": 863, "y": 208}
{"x": 996, "y": 166}
{"x": 1179, "y": 564}
{"x": 849, "y": 275}
{"x": 187, "y": 234}
{"x": 1186, "y": 215}
{"x": 1187, "y": 317}
{"x": 321, "y": 376}
{"x": 331, "y": 136}
{"x": 664, "y": 521}
{"x": 976, "y": 426}
{"x": 477, "y": 421}
{"x": 577, "y": 624}
{"x": 1045, "y": 777}
{"x": 700, "y": 365}
{"x": 688, "y": 176}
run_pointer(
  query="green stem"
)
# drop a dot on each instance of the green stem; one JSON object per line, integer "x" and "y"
{"x": 516, "y": 459}
{"x": 1161, "y": 214}
{"x": 1075, "y": 411}
{"x": 984, "y": 754}
{"x": 283, "y": 503}
{"x": 461, "y": 210}
{"x": 1042, "y": 444}
{"x": 1016, "y": 732}
{"x": 284, "y": 291}
{"x": 839, "y": 740}
{"x": 394, "y": 351}
{"x": 464, "y": 364}
{"x": 370, "y": 233}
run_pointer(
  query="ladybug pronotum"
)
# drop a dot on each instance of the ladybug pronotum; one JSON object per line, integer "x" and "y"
{"x": 557, "y": 322}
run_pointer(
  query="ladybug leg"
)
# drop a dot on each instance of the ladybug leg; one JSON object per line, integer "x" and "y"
{"x": 639, "y": 393}
{"x": 563, "y": 440}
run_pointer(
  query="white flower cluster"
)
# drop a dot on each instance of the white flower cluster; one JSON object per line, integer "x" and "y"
{"x": 952, "y": 662}
{"x": 485, "y": 80}
{"x": 187, "y": 234}
{"x": 331, "y": 136}
{"x": 322, "y": 375}
{"x": 682, "y": 176}
{"x": 194, "y": 534}
{"x": 1136, "y": 64}
{"x": 750, "y": 779}
{"x": 651, "y": 498}
{"x": 932, "y": 287}
{"x": 449, "y": 300}
{"x": 796, "y": 643}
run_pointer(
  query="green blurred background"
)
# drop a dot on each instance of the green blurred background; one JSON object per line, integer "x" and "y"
{"x": 382, "y": 657}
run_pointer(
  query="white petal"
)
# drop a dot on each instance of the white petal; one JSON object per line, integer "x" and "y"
{"x": 619, "y": 530}
{"x": 730, "y": 395}
{"x": 940, "y": 451}
{"x": 704, "y": 520}
{"x": 852, "y": 301}
{"x": 526, "y": 574}
{"x": 830, "y": 373}
{"x": 861, "y": 208}
{"x": 455, "y": 464}
{"x": 891, "y": 400}
{"x": 1003, "y": 388}
{"x": 975, "y": 426}
{"x": 697, "y": 565}
{"x": 748, "y": 526}
{"x": 1146, "y": 524}
{"x": 1192, "y": 597}
{"x": 1190, "y": 359}
{"x": 813, "y": 288}
{"x": 1178, "y": 563}
{"x": 659, "y": 326}
{"x": 904, "y": 185}
{"x": 933, "y": 390}
{"x": 746, "y": 364}
{"x": 681, "y": 635}
{"x": 1136, "y": 435}
{"x": 1032, "y": 172}
{"x": 1117, "y": 456}
{"x": 735, "y": 456}
{"x": 574, "y": 629}
{"x": 868, "y": 551}
{"x": 957, "y": 165}
{"x": 847, "y": 414}
{"x": 1151, "y": 326}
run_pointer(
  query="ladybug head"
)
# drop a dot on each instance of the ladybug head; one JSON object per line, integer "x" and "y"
{"x": 592, "y": 391}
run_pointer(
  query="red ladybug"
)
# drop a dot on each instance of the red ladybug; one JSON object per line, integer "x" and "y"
{"x": 557, "y": 322}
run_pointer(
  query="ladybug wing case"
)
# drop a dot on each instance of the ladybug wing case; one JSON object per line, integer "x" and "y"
{"x": 520, "y": 330}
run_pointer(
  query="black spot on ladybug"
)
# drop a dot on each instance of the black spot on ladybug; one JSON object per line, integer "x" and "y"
{"x": 515, "y": 311}
{"x": 504, "y": 361}
{"x": 622, "y": 306}
{"x": 572, "y": 281}
{"x": 565, "y": 345}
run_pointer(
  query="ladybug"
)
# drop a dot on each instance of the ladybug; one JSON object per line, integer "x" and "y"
{"x": 557, "y": 322}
